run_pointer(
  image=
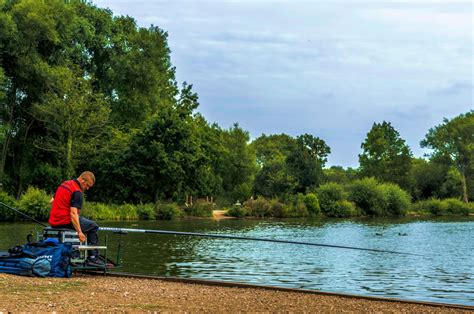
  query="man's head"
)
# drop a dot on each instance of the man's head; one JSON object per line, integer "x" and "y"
{"x": 86, "y": 180}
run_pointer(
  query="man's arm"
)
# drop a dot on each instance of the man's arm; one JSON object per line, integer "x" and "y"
{"x": 76, "y": 224}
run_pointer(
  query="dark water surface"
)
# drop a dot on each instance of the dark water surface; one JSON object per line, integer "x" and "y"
{"x": 444, "y": 274}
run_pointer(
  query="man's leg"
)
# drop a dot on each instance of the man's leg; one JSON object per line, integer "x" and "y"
{"x": 89, "y": 228}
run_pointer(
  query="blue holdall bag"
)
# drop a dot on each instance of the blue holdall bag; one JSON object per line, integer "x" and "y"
{"x": 58, "y": 254}
{"x": 25, "y": 266}
{"x": 17, "y": 262}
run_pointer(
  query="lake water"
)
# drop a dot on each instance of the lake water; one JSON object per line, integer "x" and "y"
{"x": 444, "y": 273}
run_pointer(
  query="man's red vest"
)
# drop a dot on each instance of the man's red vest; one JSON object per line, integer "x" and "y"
{"x": 61, "y": 210}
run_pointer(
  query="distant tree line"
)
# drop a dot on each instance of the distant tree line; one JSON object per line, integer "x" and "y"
{"x": 83, "y": 89}
{"x": 385, "y": 156}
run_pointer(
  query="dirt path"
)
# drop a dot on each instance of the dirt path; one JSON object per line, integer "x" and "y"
{"x": 99, "y": 293}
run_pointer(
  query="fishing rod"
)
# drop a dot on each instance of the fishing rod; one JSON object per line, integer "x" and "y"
{"x": 23, "y": 214}
{"x": 222, "y": 236}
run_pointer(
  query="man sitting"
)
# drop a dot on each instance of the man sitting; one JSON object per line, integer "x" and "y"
{"x": 65, "y": 210}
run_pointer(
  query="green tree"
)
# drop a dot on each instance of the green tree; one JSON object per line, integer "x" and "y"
{"x": 454, "y": 140}
{"x": 238, "y": 164}
{"x": 75, "y": 121}
{"x": 274, "y": 180}
{"x": 340, "y": 175}
{"x": 273, "y": 148}
{"x": 426, "y": 178}
{"x": 141, "y": 78}
{"x": 385, "y": 155}
{"x": 273, "y": 177}
{"x": 63, "y": 54}
{"x": 33, "y": 35}
{"x": 306, "y": 161}
{"x": 164, "y": 160}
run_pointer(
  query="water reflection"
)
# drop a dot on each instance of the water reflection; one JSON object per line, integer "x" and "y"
{"x": 445, "y": 274}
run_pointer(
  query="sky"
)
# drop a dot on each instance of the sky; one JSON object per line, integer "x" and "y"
{"x": 327, "y": 68}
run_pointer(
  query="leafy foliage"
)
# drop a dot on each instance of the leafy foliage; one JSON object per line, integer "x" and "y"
{"x": 35, "y": 203}
{"x": 237, "y": 211}
{"x": 456, "y": 207}
{"x": 5, "y": 213}
{"x": 146, "y": 212}
{"x": 385, "y": 155}
{"x": 297, "y": 206}
{"x": 259, "y": 207}
{"x": 368, "y": 196}
{"x": 397, "y": 201}
{"x": 238, "y": 164}
{"x": 168, "y": 211}
{"x": 340, "y": 175}
{"x": 200, "y": 209}
{"x": 312, "y": 204}
{"x": 453, "y": 140}
{"x": 307, "y": 160}
{"x": 274, "y": 180}
{"x": 343, "y": 209}
{"x": 329, "y": 194}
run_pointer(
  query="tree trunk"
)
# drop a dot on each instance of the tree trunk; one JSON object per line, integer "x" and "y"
{"x": 69, "y": 163}
{"x": 8, "y": 136}
{"x": 464, "y": 186}
{"x": 6, "y": 144}
{"x": 22, "y": 160}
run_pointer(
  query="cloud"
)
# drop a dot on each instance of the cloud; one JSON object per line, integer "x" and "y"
{"x": 329, "y": 68}
{"x": 428, "y": 19}
{"x": 455, "y": 88}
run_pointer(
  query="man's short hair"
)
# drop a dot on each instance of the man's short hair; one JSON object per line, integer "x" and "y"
{"x": 88, "y": 176}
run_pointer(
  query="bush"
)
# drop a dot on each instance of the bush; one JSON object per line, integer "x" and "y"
{"x": 434, "y": 206}
{"x": 279, "y": 209}
{"x": 168, "y": 211}
{"x": 146, "y": 212}
{"x": 5, "y": 213}
{"x": 456, "y": 207}
{"x": 99, "y": 211}
{"x": 237, "y": 211}
{"x": 259, "y": 207}
{"x": 297, "y": 206}
{"x": 344, "y": 208}
{"x": 397, "y": 201}
{"x": 127, "y": 212}
{"x": 328, "y": 195}
{"x": 200, "y": 209}
{"x": 35, "y": 203}
{"x": 312, "y": 204}
{"x": 368, "y": 196}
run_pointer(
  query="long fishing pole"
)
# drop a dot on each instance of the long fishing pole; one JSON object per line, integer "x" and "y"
{"x": 207, "y": 235}
{"x": 23, "y": 214}
{"x": 222, "y": 236}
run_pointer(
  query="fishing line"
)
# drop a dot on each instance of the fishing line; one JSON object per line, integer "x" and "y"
{"x": 25, "y": 215}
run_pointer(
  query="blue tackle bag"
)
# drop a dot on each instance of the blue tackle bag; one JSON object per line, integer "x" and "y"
{"x": 58, "y": 255}
{"x": 25, "y": 266}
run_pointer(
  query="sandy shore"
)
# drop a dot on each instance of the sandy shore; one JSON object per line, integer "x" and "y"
{"x": 100, "y": 293}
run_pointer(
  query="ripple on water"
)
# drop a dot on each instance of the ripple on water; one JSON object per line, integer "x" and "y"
{"x": 444, "y": 274}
